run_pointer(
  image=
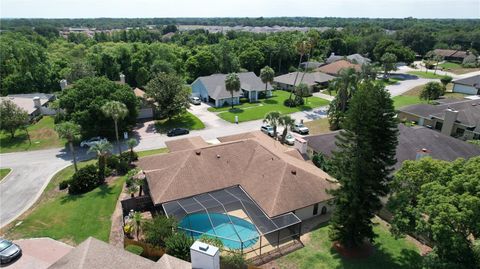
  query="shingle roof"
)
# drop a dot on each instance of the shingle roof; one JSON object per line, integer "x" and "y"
{"x": 186, "y": 143}
{"x": 95, "y": 254}
{"x": 25, "y": 101}
{"x": 410, "y": 140}
{"x": 215, "y": 84}
{"x": 310, "y": 78}
{"x": 450, "y": 53}
{"x": 139, "y": 92}
{"x": 277, "y": 182}
{"x": 357, "y": 58}
{"x": 335, "y": 67}
{"x": 473, "y": 81}
{"x": 469, "y": 110}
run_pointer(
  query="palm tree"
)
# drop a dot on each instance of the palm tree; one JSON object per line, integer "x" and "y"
{"x": 70, "y": 131}
{"x": 102, "y": 149}
{"x": 117, "y": 111}
{"x": 131, "y": 143}
{"x": 137, "y": 221}
{"x": 272, "y": 119}
{"x": 232, "y": 84}
{"x": 345, "y": 86}
{"x": 287, "y": 122}
{"x": 132, "y": 189}
{"x": 267, "y": 74}
{"x": 303, "y": 47}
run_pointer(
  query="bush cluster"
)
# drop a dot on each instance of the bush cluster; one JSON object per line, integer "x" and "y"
{"x": 297, "y": 101}
{"x": 84, "y": 180}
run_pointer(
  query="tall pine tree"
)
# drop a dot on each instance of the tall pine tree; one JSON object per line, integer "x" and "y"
{"x": 363, "y": 163}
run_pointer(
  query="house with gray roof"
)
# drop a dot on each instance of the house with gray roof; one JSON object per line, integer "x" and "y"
{"x": 470, "y": 85}
{"x": 212, "y": 89}
{"x": 34, "y": 104}
{"x": 413, "y": 143}
{"x": 353, "y": 58}
{"x": 458, "y": 118}
{"x": 314, "y": 80}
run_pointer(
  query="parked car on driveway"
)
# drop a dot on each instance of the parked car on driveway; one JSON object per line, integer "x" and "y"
{"x": 178, "y": 131}
{"x": 90, "y": 142}
{"x": 289, "y": 138}
{"x": 267, "y": 129}
{"x": 300, "y": 128}
{"x": 195, "y": 100}
{"x": 8, "y": 251}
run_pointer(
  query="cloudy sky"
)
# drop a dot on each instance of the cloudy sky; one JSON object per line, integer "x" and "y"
{"x": 242, "y": 8}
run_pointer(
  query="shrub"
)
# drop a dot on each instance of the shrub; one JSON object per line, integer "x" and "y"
{"x": 178, "y": 245}
{"x": 128, "y": 157}
{"x": 321, "y": 162}
{"x": 158, "y": 229}
{"x": 470, "y": 61}
{"x": 63, "y": 185}
{"x": 445, "y": 80}
{"x": 233, "y": 260}
{"x": 297, "y": 101}
{"x": 85, "y": 180}
{"x": 138, "y": 250}
{"x": 213, "y": 241}
{"x": 432, "y": 91}
{"x": 112, "y": 161}
{"x": 122, "y": 167}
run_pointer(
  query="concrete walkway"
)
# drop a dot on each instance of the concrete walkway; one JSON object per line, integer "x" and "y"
{"x": 324, "y": 96}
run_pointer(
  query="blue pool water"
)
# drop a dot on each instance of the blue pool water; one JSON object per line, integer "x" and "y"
{"x": 231, "y": 234}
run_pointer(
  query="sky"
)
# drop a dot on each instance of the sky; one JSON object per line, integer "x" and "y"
{"x": 239, "y": 8}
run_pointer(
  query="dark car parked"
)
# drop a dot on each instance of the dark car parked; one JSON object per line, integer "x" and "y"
{"x": 178, "y": 131}
{"x": 8, "y": 251}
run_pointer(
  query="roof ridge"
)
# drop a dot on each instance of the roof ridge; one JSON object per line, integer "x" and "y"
{"x": 85, "y": 252}
{"x": 277, "y": 192}
{"x": 176, "y": 173}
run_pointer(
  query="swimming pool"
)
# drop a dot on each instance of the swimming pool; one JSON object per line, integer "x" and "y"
{"x": 231, "y": 233}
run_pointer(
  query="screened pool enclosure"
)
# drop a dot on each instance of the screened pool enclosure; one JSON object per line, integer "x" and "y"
{"x": 234, "y": 218}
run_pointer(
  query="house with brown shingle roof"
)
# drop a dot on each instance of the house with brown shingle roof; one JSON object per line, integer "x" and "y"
{"x": 146, "y": 106}
{"x": 336, "y": 67}
{"x": 451, "y": 55}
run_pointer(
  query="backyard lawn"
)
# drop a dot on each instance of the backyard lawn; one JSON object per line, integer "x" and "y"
{"x": 42, "y": 134}
{"x": 186, "y": 120}
{"x": 422, "y": 74}
{"x": 411, "y": 97}
{"x": 274, "y": 103}
{"x": 320, "y": 126}
{"x": 318, "y": 253}
{"x": 456, "y": 68}
{"x": 4, "y": 172}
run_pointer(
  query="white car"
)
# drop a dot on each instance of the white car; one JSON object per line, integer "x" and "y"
{"x": 92, "y": 141}
{"x": 289, "y": 138}
{"x": 300, "y": 128}
{"x": 195, "y": 100}
{"x": 267, "y": 129}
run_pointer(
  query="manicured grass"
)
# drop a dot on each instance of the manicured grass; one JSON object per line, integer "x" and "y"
{"x": 226, "y": 108}
{"x": 186, "y": 120}
{"x": 422, "y": 74}
{"x": 4, "y": 172}
{"x": 411, "y": 97}
{"x": 318, "y": 253}
{"x": 331, "y": 93}
{"x": 42, "y": 135}
{"x": 450, "y": 65}
{"x": 457, "y": 68}
{"x": 71, "y": 218}
{"x": 151, "y": 152}
{"x": 320, "y": 126}
{"x": 274, "y": 103}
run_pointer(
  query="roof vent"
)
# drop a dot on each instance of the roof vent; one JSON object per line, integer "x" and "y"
{"x": 218, "y": 156}
{"x": 294, "y": 172}
{"x": 198, "y": 152}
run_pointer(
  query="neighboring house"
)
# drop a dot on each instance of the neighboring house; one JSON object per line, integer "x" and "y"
{"x": 458, "y": 118}
{"x": 451, "y": 55}
{"x": 470, "y": 85}
{"x": 269, "y": 186}
{"x": 146, "y": 107}
{"x": 353, "y": 58}
{"x": 212, "y": 89}
{"x": 413, "y": 143}
{"x": 336, "y": 67}
{"x": 95, "y": 254}
{"x": 34, "y": 103}
{"x": 311, "y": 65}
{"x": 314, "y": 80}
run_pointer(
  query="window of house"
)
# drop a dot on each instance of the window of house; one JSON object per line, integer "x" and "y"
{"x": 438, "y": 125}
{"x": 460, "y": 131}
{"x": 324, "y": 210}
{"x": 315, "y": 209}
{"x": 476, "y": 136}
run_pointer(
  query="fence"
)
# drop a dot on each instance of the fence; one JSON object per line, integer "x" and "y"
{"x": 149, "y": 251}
{"x": 140, "y": 204}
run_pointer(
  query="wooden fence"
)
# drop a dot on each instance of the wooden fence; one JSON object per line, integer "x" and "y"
{"x": 149, "y": 251}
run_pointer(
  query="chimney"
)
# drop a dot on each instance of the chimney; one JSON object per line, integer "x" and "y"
{"x": 422, "y": 154}
{"x": 301, "y": 145}
{"x": 448, "y": 121}
{"x": 204, "y": 256}
{"x": 63, "y": 84}
{"x": 333, "y": 54}
{"x": 122, "y": 78}
{"x": 36, "y": 102}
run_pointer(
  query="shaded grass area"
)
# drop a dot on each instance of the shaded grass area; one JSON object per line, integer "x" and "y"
{"x": 186, "y": 120}
{"x": 4, "y": 172}
{"x": 70, "y": 218}
{"x": 42, "y": 135}
{"x": 274, "y": 103}
{"x": 151, "y": 152}
{"x": 320, "y": 126}
{"x": 318, "y": 253}
{"x": 422, "y": 74}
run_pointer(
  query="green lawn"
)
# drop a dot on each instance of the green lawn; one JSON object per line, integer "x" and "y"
{"x": 318, "y": 253}
{"x": 450, "y": 65}
{"x": 406, "y": 100}
{"x": 226, "y": 108}
{"x": 422, "y": 74}
{"x": 42, "y": 134}
{"x": 4, "y": 172}
{"x": 70, "y": 218}
{"x": 274, "y": 103}
{"x": 151, "y": 152}
{"x": 186, "y": 120}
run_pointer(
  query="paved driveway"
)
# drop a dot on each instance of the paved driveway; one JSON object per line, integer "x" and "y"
{"x": 210, "y": 119}
{"x": 39, "y": 253}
